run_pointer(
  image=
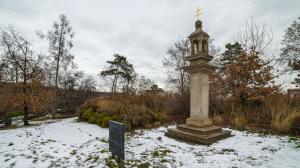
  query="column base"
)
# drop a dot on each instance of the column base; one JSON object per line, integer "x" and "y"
{"x": 199, "y": 122}
{"x": 192, "y": 134}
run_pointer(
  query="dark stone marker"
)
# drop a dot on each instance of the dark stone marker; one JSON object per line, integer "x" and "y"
{"x": 117, "y": 140}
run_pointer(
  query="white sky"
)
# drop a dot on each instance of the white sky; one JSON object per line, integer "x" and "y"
{"x": 142, "y": 30}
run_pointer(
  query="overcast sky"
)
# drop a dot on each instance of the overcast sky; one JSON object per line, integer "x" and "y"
{"x": 142, "y": 30}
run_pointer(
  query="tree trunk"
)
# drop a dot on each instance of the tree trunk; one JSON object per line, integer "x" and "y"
{"x": 16, "y": 71}
{"x": 56, "y": 85}
{"x": 56, "y": 73}
{"x": 25, "y": 109}
{"x": 114, "y": 85}
{"x": 127, "y": 87}
{"x": 25, "y": 112}
{"x": 59, "y": 54}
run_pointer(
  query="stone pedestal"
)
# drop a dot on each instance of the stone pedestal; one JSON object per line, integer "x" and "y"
{"x": 199, "y": 122}
{"x": 199, "y": 96}
{"x": 199, "y": 128}
{"x": 200, "y": 135}
{"x": 199, "y": 92}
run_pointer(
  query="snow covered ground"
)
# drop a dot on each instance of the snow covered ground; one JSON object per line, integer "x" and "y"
{"x": 67, "y": 143}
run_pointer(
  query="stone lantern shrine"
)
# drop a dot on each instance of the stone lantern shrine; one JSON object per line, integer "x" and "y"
{"x": 199, "y": 127}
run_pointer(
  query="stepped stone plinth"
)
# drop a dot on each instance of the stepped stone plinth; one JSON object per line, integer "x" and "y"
{"x": 200, "y": 135}
{"x": 199, "y": 128}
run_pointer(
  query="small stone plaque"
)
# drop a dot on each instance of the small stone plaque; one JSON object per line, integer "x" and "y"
{"x": 117, "y": 140}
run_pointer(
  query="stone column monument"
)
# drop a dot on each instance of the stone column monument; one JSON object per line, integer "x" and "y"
{"x": 199, "y": 128}
{"x": 199, "y": 70}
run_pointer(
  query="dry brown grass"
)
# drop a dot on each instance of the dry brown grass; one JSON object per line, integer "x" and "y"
{"x": 282, "y": 113}
{"x": 273, "y": 113}
{"x": 283, "y": 124}
{"x": 218, "y": 120}
{"x": 239, "y": 122}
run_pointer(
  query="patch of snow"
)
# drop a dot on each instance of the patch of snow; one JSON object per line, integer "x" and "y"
{"x": 67, "y": 143}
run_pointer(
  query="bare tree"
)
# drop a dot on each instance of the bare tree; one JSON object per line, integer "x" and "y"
{"x": 254, "y": 37}
{"x": 86, "y": 87}
{"x": 11, "y": 66}
{"x": 18, "y": 52}
{"x": 214, "y": 51}
{"x": 106, "y": 82}
{"x": 174, "y": 63}
{"x": 144, "y": 84}
{"x": 60, "y": 39}
{"x": 69, "y": 82}
{"x": 290, "y": 51}
{"x": 2, "y": 70}
{"x": 257, "y": 38}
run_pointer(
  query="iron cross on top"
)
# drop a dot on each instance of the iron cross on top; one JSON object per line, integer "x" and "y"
{"x": 198, "y": 13}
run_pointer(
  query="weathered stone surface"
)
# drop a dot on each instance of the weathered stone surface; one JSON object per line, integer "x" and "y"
{"x": 205, "y": 139}
{"x": 199, "y": 130}
{"x": 199, "y": 122}
{"x": 199, "y": 95}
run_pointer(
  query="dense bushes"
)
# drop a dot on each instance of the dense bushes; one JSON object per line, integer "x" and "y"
{"x": 99, "y": 119}
{"x": 133, "y": 111}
